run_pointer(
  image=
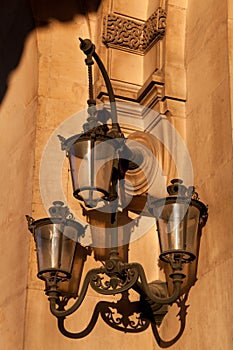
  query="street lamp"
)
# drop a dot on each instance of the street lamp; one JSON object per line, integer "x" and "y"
{"x": 97, "y": 158}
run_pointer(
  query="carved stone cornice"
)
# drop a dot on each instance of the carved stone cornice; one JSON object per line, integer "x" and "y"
{"x": 149, "y": 95}
{"x": 130, "y": 35}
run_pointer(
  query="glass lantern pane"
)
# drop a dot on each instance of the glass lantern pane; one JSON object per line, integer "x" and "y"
{"x": 178, "y": 225}
{"x": 55, "y": 251}
{"x": 104, "y": 237}
{"x": 192, "y": 230}
{"x": 49, "y": 244}
{"x": 91, "y": 168}
{"x": 102, "y": 243}
{"x": 70, "y": 287}
{"x": 68, "y": 249}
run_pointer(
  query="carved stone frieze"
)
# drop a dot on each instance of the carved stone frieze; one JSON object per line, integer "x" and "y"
{"x": 135, "y": 36}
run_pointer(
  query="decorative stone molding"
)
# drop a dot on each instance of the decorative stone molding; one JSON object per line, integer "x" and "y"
{"x": 137, "y": 37}
{"x": 149, "y": 95}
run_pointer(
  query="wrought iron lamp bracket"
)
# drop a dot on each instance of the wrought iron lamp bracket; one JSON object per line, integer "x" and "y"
{"x": 89, "y": 50}
{"x": 144, "y": 288}
{"x": 123, "y": 315}
{"x": 181, "y": 303}
{"x": 127, "y": 316}
{"x": 120, "y": 279}
{"x": 115, "y": 277}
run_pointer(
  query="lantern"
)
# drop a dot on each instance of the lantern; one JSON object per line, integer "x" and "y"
{"x": 179, "y": 217}
{"x": 105, "y": 236}
{"x": 91, "y": 158}
{"x": 58, "y": 252}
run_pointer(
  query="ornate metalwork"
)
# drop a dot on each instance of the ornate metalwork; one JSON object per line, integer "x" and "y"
{"x": 181, "y": 303}
{"x": 116, "y": 277}
{"x": 124, "y": 315}
{"x": 127, "y": 317}
{"x": 87, "y": 330}
{"x": 126, "y": 34}
{"x": 58, "y": 210}
{"x": 114, "y": 282}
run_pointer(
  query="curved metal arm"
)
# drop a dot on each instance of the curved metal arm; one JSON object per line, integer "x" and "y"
{"x": 109, "y": 89}
{"x": 115, "y": 284}
{"x": 89, "y": 49}
{"x": 77, "y": 304}
{"x": 87, "y": 330}
{"x": 143, "y": 285}
{"x": 182, "y": 317}
{"x": 103, "y": 308}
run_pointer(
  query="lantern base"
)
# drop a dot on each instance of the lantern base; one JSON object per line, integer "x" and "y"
{"x": 91, "y": 195}
{"x": 53, "y": 275}
{"x": 172, "y": 256}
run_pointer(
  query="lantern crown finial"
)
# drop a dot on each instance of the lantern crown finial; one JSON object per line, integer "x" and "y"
{"x": 177, "y": 188}
{"x": 58, "y": 210}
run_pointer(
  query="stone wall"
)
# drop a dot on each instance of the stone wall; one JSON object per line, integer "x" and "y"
{"x": 17, "y": 129}
{"x": 209, "y": 140}
{"x": 192, "y": 88}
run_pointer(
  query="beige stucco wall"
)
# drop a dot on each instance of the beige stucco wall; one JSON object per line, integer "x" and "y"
{"x": 59, "y": 101}
{"x": 17, "y": 129}
{"x": 197, "y": 48}
{"x": 209, "y": 117}
{"x": 209, "y": 140}
{"x": 230, "y": 50}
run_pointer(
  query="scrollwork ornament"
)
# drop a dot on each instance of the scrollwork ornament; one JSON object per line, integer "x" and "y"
{"x": 124, "y": 323}
{"x": 124, "y": 315}
{"x": 114, "y": 284}
{"x": 126, "y": 34}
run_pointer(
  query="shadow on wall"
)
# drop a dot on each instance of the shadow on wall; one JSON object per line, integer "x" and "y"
{"x": 19, "y": 17}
